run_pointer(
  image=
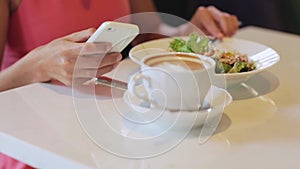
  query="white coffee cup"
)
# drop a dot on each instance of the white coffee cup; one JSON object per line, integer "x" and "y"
{"x": 175, "y": 81}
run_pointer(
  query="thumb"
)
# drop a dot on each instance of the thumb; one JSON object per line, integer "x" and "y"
{"x": 80, "y": 36}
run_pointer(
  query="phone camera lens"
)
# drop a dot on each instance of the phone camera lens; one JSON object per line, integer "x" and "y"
{"x": 111, "y": 29}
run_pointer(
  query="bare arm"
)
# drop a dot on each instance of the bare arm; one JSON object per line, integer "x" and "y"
{"x": 8, "y": 79}
{"x": 56, "y": 61}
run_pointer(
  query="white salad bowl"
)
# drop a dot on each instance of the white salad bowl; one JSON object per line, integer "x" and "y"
{"x": 263, "y": 56}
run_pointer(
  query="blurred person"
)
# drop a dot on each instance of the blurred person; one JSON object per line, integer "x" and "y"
{"x": 41, "y": 40}
{"x": 271, "y": 14}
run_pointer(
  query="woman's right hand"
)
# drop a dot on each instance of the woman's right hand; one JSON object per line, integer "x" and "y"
{"x": 214, "y": 22}
{"x": 57, "y": 60}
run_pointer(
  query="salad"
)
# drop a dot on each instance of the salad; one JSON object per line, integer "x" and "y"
{"x": 226, "y": 61}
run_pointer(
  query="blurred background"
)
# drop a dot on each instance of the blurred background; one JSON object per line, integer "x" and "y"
{"x": 283, "y": 15}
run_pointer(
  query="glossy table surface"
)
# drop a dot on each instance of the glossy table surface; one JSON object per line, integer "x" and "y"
{"x": 259, "y": 129}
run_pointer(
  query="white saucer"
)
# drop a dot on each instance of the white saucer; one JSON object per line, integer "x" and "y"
{"x": 215, "y": 102}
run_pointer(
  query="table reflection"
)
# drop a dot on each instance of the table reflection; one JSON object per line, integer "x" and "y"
{"x": 258, "y": 85}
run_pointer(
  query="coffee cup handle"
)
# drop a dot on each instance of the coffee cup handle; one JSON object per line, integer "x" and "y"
{"x": 140, "y": 79}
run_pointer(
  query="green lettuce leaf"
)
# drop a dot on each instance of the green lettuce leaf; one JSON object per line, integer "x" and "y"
{"x": 195, "y": 44}
{"x": 198, "y": 44}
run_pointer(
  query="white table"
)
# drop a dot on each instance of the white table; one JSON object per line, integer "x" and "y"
{"x": 39, "y": 125}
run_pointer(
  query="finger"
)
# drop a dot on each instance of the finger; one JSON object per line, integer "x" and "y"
{"x": 106, "y": 69}
{"x": 77, "y": 82}
{"x": 85, "y": 76}
{"x": 98, "y": 60}
{"x": 89, "y": 61}
{"x": 235, "y": 24}
{"x": 80, "y": 36}
{"x": 85, "y": 49}
{"x": 221, "y": 19}
{"x": 91, "y": 73}
{"x": 206, "y": 20}
{"x": 227, "y": 23}
{"x": 89, "y": 53}
{"x": 96, "y": 48}
{"x": 66, "y": 80}
{"x": 217, "y": 14}
{"x": 110, "y": 59}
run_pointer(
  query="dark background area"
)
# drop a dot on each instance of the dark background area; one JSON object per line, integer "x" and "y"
{"x": 283, "y": 15}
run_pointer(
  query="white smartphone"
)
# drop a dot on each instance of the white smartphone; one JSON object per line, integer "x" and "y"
{"x": 119, "y": 34}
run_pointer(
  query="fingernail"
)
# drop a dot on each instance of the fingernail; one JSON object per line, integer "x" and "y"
{"x": 220, "y": 35}
{"x": 108, "y": 46}
{"x": 103, "y": 46}
{"x": 120, "y": 57}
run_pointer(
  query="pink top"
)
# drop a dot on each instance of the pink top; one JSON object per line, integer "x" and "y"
{"x": 37, "y": 22}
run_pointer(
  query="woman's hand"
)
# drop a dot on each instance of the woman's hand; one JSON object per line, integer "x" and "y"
{"x": 207, "y": 20}
{"x": 70, "y": 57}
{"x": 213, "y": 22}
{"x": 64, "y": 59}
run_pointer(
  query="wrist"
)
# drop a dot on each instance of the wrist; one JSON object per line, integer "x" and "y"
{"x": 34, "y": 64}
{"x": 30, "y": 69}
